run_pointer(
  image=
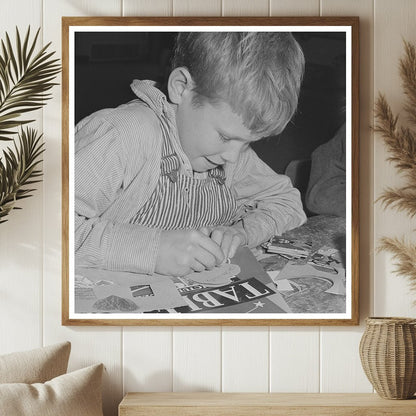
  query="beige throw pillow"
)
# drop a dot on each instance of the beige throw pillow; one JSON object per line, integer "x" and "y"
{"x": 73, "y": 394}
{"x": 35, "y": 366}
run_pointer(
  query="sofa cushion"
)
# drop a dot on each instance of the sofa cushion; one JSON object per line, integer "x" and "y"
{"x": 73, "y": 394}
{"x": 35, "y": 366}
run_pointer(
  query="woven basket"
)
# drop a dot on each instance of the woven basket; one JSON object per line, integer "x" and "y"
{"x": 388, "y": 356}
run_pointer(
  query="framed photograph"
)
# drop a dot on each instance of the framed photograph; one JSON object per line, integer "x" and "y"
{"x": 210, "y": 171}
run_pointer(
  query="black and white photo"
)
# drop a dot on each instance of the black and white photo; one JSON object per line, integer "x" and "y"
{"x": 210, "y": 172}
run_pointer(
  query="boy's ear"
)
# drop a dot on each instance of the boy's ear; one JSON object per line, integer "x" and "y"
{"x": 179, "y": 83}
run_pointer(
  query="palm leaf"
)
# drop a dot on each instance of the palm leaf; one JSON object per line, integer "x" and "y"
{"x": 19, "y": 169}
{"x": 25, "y": 78}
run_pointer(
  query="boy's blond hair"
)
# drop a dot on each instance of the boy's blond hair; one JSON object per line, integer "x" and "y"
{"x": 257, "y": 73}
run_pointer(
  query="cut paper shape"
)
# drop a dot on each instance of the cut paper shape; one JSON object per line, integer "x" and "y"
{"x": 82, "y": 282}
{"x": 273, "y": 274}
{"x": 123, "y": 291}
{"x": 284, "y": 285}
{"x": 141, "y": 291}
{"x": 218, "y": 276}
{"x": 103, "y": 283}
{"x": 293, "y": 247}
{"x": 332, "y": 275}
{"x": 115, "y": 303}
{"x": 252, "y": 280}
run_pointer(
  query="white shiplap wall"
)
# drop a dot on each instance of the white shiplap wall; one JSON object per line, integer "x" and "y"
{"x": 232, "y": 359}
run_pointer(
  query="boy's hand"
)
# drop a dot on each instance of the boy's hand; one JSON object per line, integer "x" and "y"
{"x": 184, "y": 251}
{"x": 228, "y": 238}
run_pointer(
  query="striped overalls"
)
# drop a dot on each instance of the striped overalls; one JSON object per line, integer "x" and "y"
{"x": 180, "y": 201}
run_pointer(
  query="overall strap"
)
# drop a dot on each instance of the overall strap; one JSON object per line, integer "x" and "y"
{"x": 170, "y": 164}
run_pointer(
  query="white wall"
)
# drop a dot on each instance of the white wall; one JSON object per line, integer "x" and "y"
{"x": 286, "y": 359}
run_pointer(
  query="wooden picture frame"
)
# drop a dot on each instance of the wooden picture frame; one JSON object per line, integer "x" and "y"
{"x": 98, "y": 53}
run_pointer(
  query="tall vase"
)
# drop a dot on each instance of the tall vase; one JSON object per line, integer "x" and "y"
{"x": 388, "y": 356}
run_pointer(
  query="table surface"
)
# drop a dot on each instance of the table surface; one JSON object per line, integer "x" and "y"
{"x": 310, "y": 295}
{"x": 302, "y": 293}
{"x": 264, "y": 404}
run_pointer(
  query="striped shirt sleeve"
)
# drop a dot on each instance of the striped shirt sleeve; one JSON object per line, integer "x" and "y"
{"x": 268, "y": 203}
{"x": 101, "y": 171}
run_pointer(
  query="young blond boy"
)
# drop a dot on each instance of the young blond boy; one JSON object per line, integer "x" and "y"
{"x": 171, "y": 185}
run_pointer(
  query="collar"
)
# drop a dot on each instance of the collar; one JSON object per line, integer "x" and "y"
{"x": 147, "y": 92}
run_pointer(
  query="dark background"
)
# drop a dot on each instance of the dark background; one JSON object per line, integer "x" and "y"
{"x": 107, "y": 62}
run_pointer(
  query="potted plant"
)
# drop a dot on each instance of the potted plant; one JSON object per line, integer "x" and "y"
{"x": 388, "y": 345}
